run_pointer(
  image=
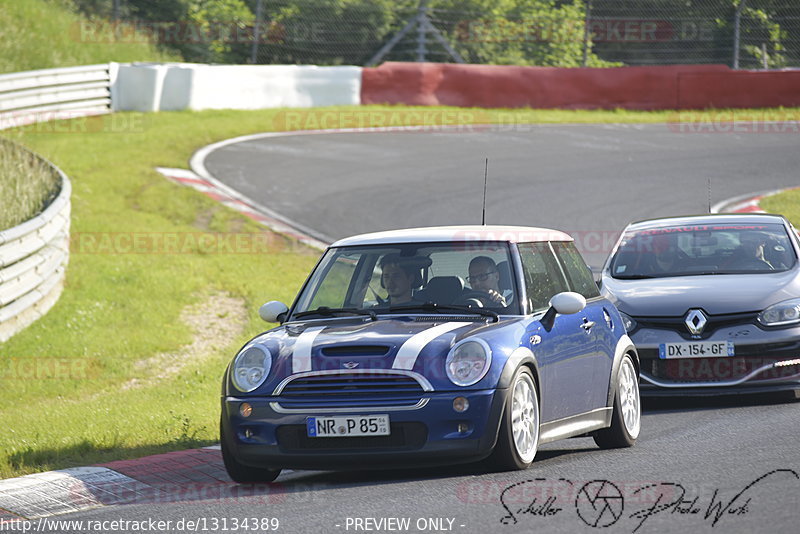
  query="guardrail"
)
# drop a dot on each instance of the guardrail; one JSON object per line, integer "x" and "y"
{"x": 40, "y": 95}
{"x": 33, "y": 261}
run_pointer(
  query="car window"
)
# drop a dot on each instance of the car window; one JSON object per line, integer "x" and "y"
{"x": 543, "y": 276}
{"x": 703, "y": 249}
{"x": 379, "y": 277}
{"x": 578, "y": 273}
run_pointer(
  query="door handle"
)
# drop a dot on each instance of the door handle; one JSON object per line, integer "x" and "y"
{"x": 587, "y": 325}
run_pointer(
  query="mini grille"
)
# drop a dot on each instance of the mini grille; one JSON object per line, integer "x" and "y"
{"x": 351, "y": 390}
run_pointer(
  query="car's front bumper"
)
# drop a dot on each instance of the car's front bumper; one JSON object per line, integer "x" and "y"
{"x": 764, "y": 360}
{"x": 425, "y": 435}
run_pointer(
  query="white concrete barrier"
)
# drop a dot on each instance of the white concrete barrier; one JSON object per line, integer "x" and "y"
{"x": 33, "y": 261}
{"x": 171, "y": 87}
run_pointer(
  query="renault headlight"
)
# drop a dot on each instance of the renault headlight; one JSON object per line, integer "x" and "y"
{"x": 468, "y": 361}
{"x": 628, "y": 322}
{"x": 782, "y": 313}
{"x": 251, "y": 368}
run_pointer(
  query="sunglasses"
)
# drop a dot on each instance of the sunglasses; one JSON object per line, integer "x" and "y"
{"x": 480, "y": 277}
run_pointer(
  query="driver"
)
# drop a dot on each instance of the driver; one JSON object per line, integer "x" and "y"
{"x": 484, "y": 276}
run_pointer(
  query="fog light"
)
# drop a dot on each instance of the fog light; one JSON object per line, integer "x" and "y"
{"x": 245, "y": 409}
{"x": 248, "y": 433}
{"x": 463, "y": 428}
{"x": 460, "y": 404}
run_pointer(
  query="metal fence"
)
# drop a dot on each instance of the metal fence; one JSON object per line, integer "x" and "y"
{"x": 744, "y": 34}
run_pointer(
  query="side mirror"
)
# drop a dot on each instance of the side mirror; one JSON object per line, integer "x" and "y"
{"x": 273, "y": 311}
{"x": 568, "y": 302}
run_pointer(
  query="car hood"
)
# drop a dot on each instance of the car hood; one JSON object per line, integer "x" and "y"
{"x": 716, "y": 294}
{"x": 400, "y": 344}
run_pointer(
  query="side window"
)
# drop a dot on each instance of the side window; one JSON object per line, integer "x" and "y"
{"x": 543, "y": 276}
{"x": 578, "y": 273}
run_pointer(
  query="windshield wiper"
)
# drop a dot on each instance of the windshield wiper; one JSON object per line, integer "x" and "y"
{"x": 325, "y": 311}
{"x": 442, "y": 308}
{"x": 634, "y": 276}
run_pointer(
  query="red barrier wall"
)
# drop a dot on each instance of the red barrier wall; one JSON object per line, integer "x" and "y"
{"x": 643, "y": 88}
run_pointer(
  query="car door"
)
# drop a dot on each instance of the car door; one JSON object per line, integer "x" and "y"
{"x": 595, "y": 320}
{"x": 566, "y": 349}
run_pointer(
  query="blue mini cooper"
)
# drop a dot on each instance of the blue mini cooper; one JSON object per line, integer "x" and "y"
{"x": 432, "y": 346}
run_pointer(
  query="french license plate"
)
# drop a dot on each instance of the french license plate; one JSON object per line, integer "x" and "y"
{"x": 695, "y": 349}
{"x": 342, "y": 426}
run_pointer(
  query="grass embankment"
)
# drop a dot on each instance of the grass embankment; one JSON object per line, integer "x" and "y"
{"x": 27, "y": 185}
{"x": 42, "y": 34}
{"x": 786, "y": 203}
{"x": 106, "y": 374}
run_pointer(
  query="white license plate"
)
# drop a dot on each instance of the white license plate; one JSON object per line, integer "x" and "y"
{"x": 695, "y": 349}
{"x": 342, "y": 426}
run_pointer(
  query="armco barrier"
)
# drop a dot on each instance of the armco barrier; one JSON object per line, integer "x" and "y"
{"x": 39, "y": 95}
{"x": 33, "y": 260}
{"x": 638, "y": 88}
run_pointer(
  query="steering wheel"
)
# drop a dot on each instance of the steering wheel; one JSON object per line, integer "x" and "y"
{"x": 473, "y": 298}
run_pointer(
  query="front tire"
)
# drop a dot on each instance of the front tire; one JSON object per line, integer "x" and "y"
{"x": 626, "y": 420}
{"x": 519, "y": 431}
{"x": 243, "y": 474}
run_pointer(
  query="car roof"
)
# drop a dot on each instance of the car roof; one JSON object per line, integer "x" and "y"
{"x": 511, "y": 234}
{"x": 714, "y": 218}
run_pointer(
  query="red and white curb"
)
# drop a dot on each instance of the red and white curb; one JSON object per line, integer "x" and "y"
{"x": 749, "y": 203}
{"x": 180, "y": 476}
{"x": 240, "y": 203}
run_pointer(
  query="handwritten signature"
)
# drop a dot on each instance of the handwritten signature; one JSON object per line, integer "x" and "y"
{"x": 601, "y": 503}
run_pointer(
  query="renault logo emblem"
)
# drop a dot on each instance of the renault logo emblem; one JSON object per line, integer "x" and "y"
{"x": 350, "y": 365}
{"x": 695, "y": 321}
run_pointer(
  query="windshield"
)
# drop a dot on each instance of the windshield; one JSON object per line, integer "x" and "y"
{"x": 703, "y": 249}
{"x": 410, "y": 277}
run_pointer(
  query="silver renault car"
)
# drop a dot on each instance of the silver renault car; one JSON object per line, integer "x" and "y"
{"x": 712, "y": 302}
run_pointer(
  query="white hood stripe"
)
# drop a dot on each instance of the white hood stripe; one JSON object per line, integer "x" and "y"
{"x": 301, "y": 356}
{"x": 409, "y": 351}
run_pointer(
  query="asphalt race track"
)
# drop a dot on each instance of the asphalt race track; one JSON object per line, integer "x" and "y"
{"x": 589, "y": 180}
{"x": 699, "y": 466}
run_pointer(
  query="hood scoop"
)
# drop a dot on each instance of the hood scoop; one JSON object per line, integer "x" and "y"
{"x": 356, "y": 350}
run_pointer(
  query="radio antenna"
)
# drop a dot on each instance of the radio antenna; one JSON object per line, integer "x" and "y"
{"x": 709, "y": 195}
{"x": 485, "y": 179}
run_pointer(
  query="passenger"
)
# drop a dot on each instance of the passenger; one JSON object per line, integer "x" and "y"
{"x": 484, "y": 276}
{"x": 399, "y": 278}
{"x": 665, "y": 254}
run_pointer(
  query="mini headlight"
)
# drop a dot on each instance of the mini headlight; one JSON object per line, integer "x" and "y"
{"x": 251, "y": 368}
{"x": 468, "y": 362}
{"x": 782, "y": 313}
{"x": 628, "y": 322}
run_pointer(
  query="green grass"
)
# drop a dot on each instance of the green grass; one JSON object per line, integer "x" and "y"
{"x": 41, "y": 34}
{"x": 122, "y": 308}
{"x": 786, "y": 203}
{"x": 27, "y": 185}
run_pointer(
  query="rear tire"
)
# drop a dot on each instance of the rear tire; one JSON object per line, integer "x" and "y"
{"x": 243, "y": 474}
{"x": 626, "y": 419}
{"x": 519, "y": 430}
